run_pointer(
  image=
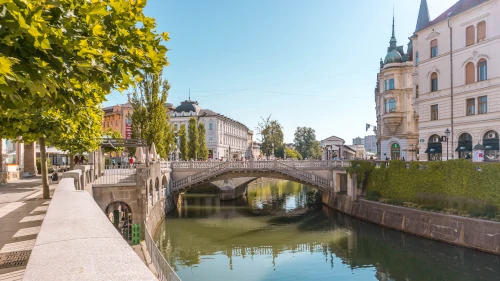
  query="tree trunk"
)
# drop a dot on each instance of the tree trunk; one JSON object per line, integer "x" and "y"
{"x": 1, "y": 155}
{"x": 43, "y": 164}
{"x": 71, "y": 161}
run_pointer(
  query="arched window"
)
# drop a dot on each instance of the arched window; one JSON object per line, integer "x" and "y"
{"x": 434, "y": 148}
{"x": 469, "y": 34}
{"x": 434, "y": 48}
{"x": 481, "y": 31}
{"x": 491, "y": 146}
{"x": 469, "y": 73}
{"x": 464, "y": 146}
{"x": 482, "y": 70}
{"x": 392, "y": 105}
{"x": 434, "y": 82}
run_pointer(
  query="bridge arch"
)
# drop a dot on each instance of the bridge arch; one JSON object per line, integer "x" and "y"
{"x": 164, "y": 183}
{"x": 120, "y": 214}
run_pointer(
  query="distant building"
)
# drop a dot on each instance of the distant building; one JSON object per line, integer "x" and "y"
{"x": 226, "y": 138}
{"x": 358, "y": 141}
{"x": 118, "y": 118}
{"x": 371, "y": 143}
{"x": 360, "y": 152}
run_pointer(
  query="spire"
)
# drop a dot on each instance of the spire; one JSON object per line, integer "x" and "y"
{"x": 423, "y": 16}
{"x": 393, "y": 41}
{"x": 189, "y": 94}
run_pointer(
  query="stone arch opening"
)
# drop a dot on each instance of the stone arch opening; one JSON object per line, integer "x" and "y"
{"x": 120, "y": 215}
{"x": 150, "y": 194}
{"x": 157, "y": 189}
{"x": 164, "y": 185}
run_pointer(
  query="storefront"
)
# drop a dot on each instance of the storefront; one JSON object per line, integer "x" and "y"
{"x": 491, "y": 146}
{"x": 464, "y": 147}
{"x": 395, "y": 151}
{"x": 434, "y": 148}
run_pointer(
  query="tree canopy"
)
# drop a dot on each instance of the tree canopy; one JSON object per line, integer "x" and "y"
{"x": 183, "y": 142}
{"x": 58, "y": 61}
{"x": 292, "y": 154}
{"x": 271, "y": 132}
{"x": 150, "y": 120}
{"x": 194, "y": 141}
{"x": 306, "y": 143}
{"x": 203, "y": 149}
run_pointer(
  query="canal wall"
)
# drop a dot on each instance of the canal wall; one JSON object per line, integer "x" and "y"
{"x": 466, "y": 232}
{"x": 77, "y": 242}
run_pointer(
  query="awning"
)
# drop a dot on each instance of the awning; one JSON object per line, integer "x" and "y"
{"x": 491, "y": 144}
{"x": 434, "y": 148}
{"x": 464, "y": 146}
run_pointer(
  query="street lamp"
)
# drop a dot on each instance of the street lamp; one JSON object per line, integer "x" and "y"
{"x": 447, "y": 133}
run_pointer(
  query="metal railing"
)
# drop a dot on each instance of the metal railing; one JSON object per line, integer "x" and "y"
{"x": 305, "y": 164}
{"x": 164, "y": 270}
{"x": 117, "y": 174}
{"x": 252, "y": 166}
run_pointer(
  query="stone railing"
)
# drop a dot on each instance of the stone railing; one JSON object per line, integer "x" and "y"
{"x": 303, "y": 164}
{"x": 252, "y": 166}
{"x": 79, "y": 243}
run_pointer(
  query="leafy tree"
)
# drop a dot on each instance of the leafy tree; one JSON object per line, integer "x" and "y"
{"x": 194, "y": 139}
{"x": 150, "y": 120}
{"x": 203, "y": 149}
{"x": 55, "y": 56}
{"x": 113, "y": 134}
{"x": 271, "y": 132}
{"x": 183, "y": 142}
{"x": 292, "y": 154}
{"x": 306, "y": 143}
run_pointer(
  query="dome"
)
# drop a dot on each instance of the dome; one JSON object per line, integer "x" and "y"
{"x": 393, "y": 56}
{"x": 187, "y": 106}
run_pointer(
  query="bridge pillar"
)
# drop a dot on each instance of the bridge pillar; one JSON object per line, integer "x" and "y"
{"x": 352, "y": 184}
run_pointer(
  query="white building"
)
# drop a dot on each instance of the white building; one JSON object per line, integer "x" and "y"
{"x": 464, "y": 98}
{"x": 226, "y": 138}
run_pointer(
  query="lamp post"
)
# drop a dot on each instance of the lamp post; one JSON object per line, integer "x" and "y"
{"x": 447, "y": 134}
{"x": 411, "y": 151}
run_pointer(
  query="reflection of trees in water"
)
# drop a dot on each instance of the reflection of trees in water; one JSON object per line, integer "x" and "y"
{"x": 234, "y": 230}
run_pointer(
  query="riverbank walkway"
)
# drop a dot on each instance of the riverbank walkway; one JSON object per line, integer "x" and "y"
{"x": 22, "y": 211}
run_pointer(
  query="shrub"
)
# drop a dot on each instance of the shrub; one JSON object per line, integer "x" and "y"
{"x": 372, "y": 195}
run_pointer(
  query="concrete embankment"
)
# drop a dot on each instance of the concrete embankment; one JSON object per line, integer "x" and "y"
{"x": 77, "y": 242}
{"x": 467, "y": 232}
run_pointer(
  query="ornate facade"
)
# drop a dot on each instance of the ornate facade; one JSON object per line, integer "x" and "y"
{"x": 397, "y": 131}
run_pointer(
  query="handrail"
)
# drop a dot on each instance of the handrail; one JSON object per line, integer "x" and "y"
{"x": 164, "y": 270}
{"x": 278, "y": 166}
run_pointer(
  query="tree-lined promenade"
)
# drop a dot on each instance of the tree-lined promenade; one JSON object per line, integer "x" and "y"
{"x": 58, "y": 61}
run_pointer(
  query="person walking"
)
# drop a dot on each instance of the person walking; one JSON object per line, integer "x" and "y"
{"x": 113, "y": 163}
{"x": 131, "y": 162}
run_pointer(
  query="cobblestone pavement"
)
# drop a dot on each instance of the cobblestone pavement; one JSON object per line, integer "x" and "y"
{"x": 22, "y": 211}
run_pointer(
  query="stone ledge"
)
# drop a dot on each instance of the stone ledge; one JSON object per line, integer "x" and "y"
{"x": 77, "y": 242}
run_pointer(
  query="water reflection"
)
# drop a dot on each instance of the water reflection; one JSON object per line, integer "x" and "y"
{"x": 274, "y": 233}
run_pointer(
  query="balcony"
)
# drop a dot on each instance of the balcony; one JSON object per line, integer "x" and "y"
{"x": 392, "y": 120}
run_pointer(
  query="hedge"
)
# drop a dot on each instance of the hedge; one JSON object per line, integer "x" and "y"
{"x": 445, "y": 180}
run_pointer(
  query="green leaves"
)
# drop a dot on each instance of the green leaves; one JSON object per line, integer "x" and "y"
{"x": 202, "y": 148}
{"x": 194, "y": 142}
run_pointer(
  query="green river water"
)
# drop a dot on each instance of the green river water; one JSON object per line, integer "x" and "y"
{"x": 276, "y": 232}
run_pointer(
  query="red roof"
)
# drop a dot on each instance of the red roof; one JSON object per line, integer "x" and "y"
{"x": 457, "y": 8}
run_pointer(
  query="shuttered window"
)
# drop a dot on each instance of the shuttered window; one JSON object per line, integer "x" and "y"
{"x": 434, "y": 48}
{"x": 434, "y": 82}
{"x": 469, "y": 33}
{"x": 481, "y": 31}
{"x": 469, "y": 73}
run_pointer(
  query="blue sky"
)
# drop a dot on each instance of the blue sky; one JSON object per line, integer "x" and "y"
{"x": 307, "y": 62}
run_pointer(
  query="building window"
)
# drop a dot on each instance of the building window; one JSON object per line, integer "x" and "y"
{"x": 469, "y": 36}
{"x": 392, "y": 105}
{"x": 416, "y": 58}
{"x": 434, "y": 82}
{"x": 434, "y": 48}
{"x": 434, "y": 148}
{"x": 471, "y": 106}
{"x": 434, "y": 112}
{"x": 210, "y": 126}
{"x": 469, "y": 73}
{"x": 482, "y": 70}
{"x": 483, "y": 104}
{"x": 481, "y": 31}
{"x": 389, "y": 84}
{"x": 491, "y": 146}
{"x": 464, "y": 146}
{"x": 210, "y": 140}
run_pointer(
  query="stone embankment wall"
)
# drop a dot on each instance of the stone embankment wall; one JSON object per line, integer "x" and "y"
{"x": 77, "y": 242}
{"x": 467, "y": 232}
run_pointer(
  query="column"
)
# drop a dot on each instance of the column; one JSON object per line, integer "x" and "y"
{"x": 30, "y": 158}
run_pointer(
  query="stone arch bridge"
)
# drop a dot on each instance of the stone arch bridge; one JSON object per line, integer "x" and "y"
{"x": 326, "y": 176}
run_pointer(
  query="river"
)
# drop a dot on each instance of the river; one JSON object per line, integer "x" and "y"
{"x": 276, "y": 232}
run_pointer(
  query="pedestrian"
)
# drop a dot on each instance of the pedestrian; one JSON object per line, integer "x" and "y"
{"x": 82, "y": 160}
{"x": 76, "y": 160}
{"x": 113, "y": 162}
{"x": 131, "y": 162}
{"x": 404, "y": 159}
{"x": 55, "y": 176}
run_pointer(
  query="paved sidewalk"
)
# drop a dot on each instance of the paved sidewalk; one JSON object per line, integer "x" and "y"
{"x": 22, "y": 211}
